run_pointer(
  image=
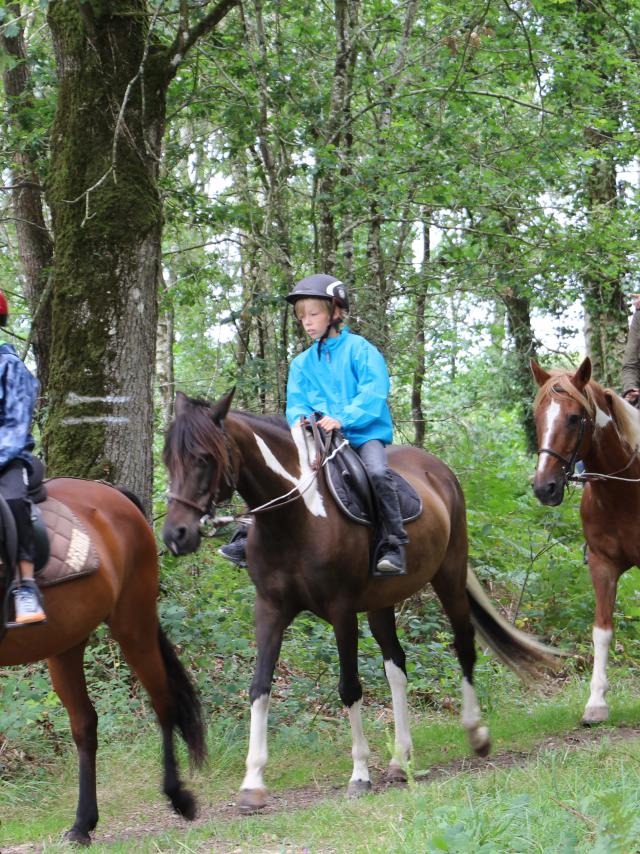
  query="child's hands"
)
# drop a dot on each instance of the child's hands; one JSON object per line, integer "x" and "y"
{"x": 328, "y": 423}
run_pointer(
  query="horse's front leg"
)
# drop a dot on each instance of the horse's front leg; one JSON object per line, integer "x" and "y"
{"x": 270, "y": 625}
{"x": 604, "y": 577}
{"x": 383, "y": 628}
{"x": 345, "y": 628}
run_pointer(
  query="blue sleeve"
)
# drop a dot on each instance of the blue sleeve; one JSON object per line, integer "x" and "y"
{"x": 298, "y": 405}
{"x": 370, "y": 401}
{"x": 19, "y": 392}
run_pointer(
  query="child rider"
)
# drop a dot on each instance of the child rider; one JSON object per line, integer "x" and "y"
{"x": 345, "y": 378}
{"x": 18, "y": 395}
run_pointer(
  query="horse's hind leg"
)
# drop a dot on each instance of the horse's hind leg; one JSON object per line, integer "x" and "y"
{"x": 383, "y": 628}
{"x": 451, "y": 590}
{"x": 67, "y": 676}
{"x": 139, "y": 641}
{"x": 604, "y": 577}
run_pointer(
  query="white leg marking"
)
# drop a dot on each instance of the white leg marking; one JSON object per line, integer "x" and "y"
{"x": 305, "y": 483}
{"x": 360, "y": 748}
{"x": 398, "y": 684}
{"x": 471, "y": 719}
{"x": 257, "y": 755}
{"x": 597, "y": 708}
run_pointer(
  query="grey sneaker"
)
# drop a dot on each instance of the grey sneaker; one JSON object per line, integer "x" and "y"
{"x": 391, "y": 562}
{"x": 235, "y": 551}
{"x": 27, "y": 604}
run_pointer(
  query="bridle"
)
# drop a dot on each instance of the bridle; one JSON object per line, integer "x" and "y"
{"x": 207, "y": 508}
{"x": 569, "y": 463}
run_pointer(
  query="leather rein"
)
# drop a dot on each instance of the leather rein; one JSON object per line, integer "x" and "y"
{"x": 207, "y": 509}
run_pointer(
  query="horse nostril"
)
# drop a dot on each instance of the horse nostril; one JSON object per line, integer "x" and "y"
{"x": 180, "y": 534}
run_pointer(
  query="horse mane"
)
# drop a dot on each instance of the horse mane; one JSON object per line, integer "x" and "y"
{"x": 195, "y": 430}
{"x": 192, "y": 432}
{"x": 625, "y": 416}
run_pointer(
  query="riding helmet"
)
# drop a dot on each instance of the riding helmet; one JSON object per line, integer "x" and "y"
{"x": 320, "y": 286}
{"x": 4, "y": 309}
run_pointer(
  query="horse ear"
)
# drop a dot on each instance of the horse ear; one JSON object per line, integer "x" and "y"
{"x": 582, "y": 375}
{"x": 539, "y": 374}
{"x": 181, "y": 402}
{"x": 220, "y": 409}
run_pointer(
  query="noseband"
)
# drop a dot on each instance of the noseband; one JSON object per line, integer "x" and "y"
{"x": 569, "y": 464}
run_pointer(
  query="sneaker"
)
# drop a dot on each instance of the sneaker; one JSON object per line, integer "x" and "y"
{"x": 27, "y": 604}
{"x": 235, "y": 551}
{"x": 392, "y": 562}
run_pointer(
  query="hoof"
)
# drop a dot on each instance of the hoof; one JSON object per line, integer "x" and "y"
{"x": 184, "y": 804}
{"x": 252, "y": 800}
{"x": 595, "y": 715}
{"x": 77, "y": 837}
{"x": 480, "y": 741}
{"x": 358, "y": 788}
{"x": 395, "y": 774}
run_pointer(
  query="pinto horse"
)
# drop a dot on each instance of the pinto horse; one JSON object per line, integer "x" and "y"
{"x": 304, "y": 554}
{"x": 576, "y": 419}
{"x": 123, "y": 593}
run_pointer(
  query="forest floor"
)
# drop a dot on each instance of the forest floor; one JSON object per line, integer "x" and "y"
{"x": 301, "y": 798}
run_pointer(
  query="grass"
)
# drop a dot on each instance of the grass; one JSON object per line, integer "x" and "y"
{"x": 563, "y": 799}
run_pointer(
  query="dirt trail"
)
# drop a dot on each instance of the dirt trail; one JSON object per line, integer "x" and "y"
{"x": 296, "y": 799}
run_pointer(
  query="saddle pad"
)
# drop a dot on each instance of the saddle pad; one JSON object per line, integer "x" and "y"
{"x": 72, "y": 552}
{"x": 351, "y": 489}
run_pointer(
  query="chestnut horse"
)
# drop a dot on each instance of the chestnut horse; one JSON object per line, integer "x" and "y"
{"x": 304, "y": 554}
{"x": 576, "y": 419}
{"x": 122, "y": 592}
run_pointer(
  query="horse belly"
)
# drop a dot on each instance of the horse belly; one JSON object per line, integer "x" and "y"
{"x": 73, "y": 610}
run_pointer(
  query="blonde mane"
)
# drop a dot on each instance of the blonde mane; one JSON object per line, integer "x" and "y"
{"x": 625, "y": 417}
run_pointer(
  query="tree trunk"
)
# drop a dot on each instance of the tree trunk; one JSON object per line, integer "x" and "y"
{"x": 34, "y": 242}
{"x": 107, "y": 218}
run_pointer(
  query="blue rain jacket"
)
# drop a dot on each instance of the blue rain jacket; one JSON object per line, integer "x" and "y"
{"x": 349, "y": 382}
{"x": 18, "y": 395}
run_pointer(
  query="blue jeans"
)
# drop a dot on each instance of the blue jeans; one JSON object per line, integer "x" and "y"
{"x": 374, "y": 457}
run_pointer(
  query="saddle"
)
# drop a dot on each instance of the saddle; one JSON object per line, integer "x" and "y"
{"x": 63, "y": 549}
{"x": 352, "y": 490}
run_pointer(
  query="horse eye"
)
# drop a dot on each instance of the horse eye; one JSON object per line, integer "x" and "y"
{"x": 573, "y": 420}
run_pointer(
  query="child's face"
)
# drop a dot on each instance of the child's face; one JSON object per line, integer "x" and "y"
{"x": 314, "y": 316}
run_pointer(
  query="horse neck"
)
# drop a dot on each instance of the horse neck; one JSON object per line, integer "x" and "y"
{"x": 269, "y": 463}
{"x": 609, "y": 453}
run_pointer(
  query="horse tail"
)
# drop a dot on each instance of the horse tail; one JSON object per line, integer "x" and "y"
{"x": 132, "y": 497}
{"x": 521, "y": 652}
{"x": 187, "y": 708}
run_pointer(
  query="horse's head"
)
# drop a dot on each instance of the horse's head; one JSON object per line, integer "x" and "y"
{"x": 198, "y": 461}
{"x": 564, "y": 413}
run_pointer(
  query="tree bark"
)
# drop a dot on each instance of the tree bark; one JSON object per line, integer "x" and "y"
{"x": 34, "y": 241}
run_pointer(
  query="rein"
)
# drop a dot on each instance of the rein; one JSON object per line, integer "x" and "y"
{"x": 207, "y": 509}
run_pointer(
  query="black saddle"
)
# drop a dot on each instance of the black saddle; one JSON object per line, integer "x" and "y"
{"x": 352, "y": 490}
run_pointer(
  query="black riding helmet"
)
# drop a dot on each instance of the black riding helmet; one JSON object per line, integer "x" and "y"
{"x": 320, "y": 286}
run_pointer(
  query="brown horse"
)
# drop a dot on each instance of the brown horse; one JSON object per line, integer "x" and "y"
{"x": 123, "y": 593}
{"x": 576, "y": 419}
{"x": 304, "y": 554}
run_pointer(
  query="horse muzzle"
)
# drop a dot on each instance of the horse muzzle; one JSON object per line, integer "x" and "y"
{"x": 180, "y": 538}
{"x": 549, "y": 490}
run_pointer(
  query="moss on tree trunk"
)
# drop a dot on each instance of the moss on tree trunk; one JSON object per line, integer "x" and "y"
{"x": 107, "y": 244}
